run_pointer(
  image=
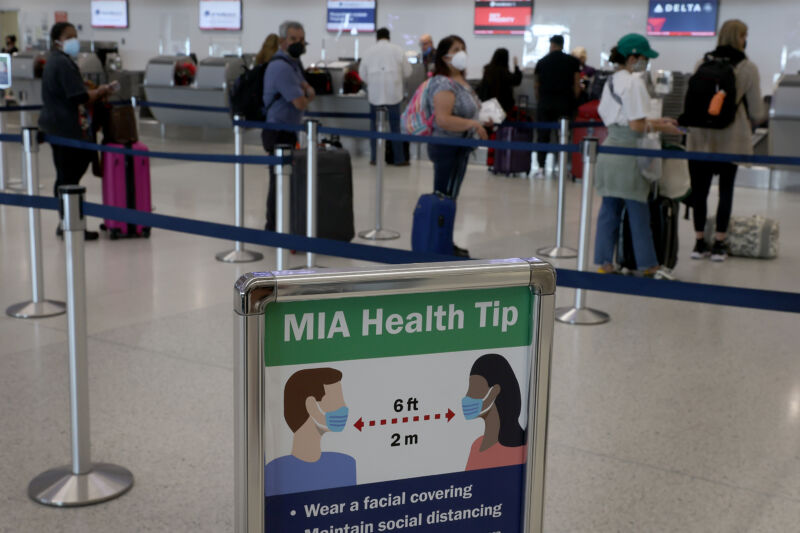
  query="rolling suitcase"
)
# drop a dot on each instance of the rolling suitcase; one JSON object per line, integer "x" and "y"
{"x": 434, "y": 218}
{"x": 510, "y": 162}
{"x": 126, "y": 183}
{"x": 664, "y": 215}
{"x": 586, "y": 113}
{"x": 335, "y": 219}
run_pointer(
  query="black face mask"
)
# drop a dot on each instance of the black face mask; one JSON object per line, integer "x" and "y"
{"x": 297, "y": 49}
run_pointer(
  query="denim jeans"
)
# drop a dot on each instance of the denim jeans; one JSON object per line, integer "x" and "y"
{"x": 608, "y": 224}
{"x": 449, "y": 167}
{"x": 393, "y": 115}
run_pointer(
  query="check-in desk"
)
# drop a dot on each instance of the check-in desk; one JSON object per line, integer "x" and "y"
{"x": 784, "y": 130}
{"x": 26, "y": 79}
{"x": 214, "y": 77}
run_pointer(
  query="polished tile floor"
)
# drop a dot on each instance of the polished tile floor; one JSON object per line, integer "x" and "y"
{"x": 672, "y": 418}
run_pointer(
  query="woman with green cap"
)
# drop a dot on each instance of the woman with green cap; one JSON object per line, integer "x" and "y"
{"x": 624, "y": 108}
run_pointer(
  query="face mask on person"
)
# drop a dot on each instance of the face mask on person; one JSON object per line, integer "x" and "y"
{"x": 297, "y": 49}
{"x": 640, "y": 65}
{"x": 471, "y": 407}
{"x": 459, "y": 60}
{"x": 71, "y": 47}
{"x": 335, "y": 421}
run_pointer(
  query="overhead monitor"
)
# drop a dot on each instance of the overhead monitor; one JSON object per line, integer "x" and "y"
{"x": 222, "y": 15}
{"x": 110, "y": 14}
{"x": 5, "y": 71}
{"x": 503, "y": 17}
{"x": 350, "y": 15}
{"x": 693, "y": 18}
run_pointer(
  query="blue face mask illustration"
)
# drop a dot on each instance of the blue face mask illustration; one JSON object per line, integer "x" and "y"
{"x": 71, "y": 47}
{"x": 471, "y": 407}
{"x": 335, "y": 421}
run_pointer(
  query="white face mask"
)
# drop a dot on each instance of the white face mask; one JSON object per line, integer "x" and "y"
{"x": 459, "y": 60}
{"x": 640, "y": 65}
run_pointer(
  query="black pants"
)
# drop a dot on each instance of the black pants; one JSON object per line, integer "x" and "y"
{"x": 71, "y": 165}
{"x": 271, "y": 139}
{"x": 701, "y": 173}
{"x": 549, "y": 113}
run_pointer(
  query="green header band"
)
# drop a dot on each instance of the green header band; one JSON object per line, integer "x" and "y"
{"x": 389, "y": 326}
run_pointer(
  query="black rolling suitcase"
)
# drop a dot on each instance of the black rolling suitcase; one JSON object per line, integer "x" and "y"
{"x": 664, "y": 215}
{"x": 334, "y": 194}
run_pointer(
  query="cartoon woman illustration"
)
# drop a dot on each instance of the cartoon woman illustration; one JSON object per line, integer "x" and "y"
{"x": 494, "y": 395}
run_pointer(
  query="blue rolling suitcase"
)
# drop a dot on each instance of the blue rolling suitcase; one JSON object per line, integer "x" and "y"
{"x": 434, "y": 218}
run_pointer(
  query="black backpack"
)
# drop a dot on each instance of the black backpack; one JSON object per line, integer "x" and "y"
{"x": 714, "y": 75}
{"x": 247, "y": 93}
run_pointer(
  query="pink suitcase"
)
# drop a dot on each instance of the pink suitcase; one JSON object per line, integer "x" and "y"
{"x": 126, "y": 183}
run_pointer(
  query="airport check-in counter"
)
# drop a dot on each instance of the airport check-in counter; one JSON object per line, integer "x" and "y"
{"x": 784, "y": 130}
{"x": 214, "y": 77}
{"x": 26, "y": 79}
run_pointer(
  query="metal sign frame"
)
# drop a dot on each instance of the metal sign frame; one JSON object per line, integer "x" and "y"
{"x": 254, "y": 292}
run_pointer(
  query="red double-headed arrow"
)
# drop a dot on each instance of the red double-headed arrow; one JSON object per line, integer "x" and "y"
{"x": 360, "y": 425}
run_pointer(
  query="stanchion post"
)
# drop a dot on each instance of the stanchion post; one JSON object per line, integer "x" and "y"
{"x": 238, "y": 254}
{"x": 559, "y": 251}
{"x": 283, "y": 179}
{"x": 3, "y": 156}
{"x": 312, "y": 179}
{"x": 82, "y": 482}
{"x": 378, "y": 233}
{"x": 579, "y": 314}
{"x": 38, "y": 307}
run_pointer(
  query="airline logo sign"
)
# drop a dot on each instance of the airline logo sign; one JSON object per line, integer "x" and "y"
{"x": 503, "y": 17}
{"x": 221, "y": 15}
{"x": 687, "y": 18}
{"x": 110, "y": 14}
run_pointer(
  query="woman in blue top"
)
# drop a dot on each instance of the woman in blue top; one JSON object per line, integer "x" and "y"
{"x": 455, "y": 111}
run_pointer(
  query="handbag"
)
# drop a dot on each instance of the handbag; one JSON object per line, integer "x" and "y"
{"x": 491, "y": 112}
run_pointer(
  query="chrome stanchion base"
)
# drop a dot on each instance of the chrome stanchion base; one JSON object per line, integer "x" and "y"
{"x": 557, "y": 252}
{"x": 581, "y": 317}
{"x": 239, "y": 256}
{"x": 59, "y": 487}
{"x": 43, "y": 309}
{"x": 379, "y": 235}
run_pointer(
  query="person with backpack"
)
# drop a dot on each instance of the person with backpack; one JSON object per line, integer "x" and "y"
{"x": 286, "y": 96}
{"x": 455, "y": 108}
{"x": 624, "y": 108}
{"x": 724, "y": 95}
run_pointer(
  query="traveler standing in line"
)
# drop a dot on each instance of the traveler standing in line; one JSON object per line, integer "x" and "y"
{"x": 558, "y": 86}
{"x": 286, "y": 96}
{"x": 383, "y": 68}
{"x": 624, "y": 107}
{"x": 268, "y": 49}
{"x": 735, "y": 139}
{"x": 64, "y": 114}
{"x": 455, "y": 111}
{"x": 499, "y": 82}
{"x": 428, "y": 53}
{"x": 582, "y": 56}
{"x": 11, "y": 45}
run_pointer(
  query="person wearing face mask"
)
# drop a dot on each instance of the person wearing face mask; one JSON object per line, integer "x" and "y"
{"x": 494, "y": 396}
{"x": 313, "y": 406}
{"x": 286, "y": 96}
{"x": 428, "y": 53}
{"x": 624, "y": 108}
{"x": 64, "y": 98}
{"x": 736, "y": 138}
{"x": 11, "y": 45}
{"x": 455, "y": 111}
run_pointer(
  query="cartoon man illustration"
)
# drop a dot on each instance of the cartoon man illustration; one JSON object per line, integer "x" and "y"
{"x": 313, "y": 404}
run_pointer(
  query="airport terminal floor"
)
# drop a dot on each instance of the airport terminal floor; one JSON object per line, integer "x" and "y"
{"x": 673, "y": 417}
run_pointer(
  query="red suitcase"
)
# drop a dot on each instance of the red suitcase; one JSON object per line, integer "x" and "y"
{"x": 126, "y": 183}
{"x": 586, "y": 113}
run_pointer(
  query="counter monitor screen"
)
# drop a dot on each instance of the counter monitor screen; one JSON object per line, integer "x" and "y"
{"x": 110, "y": 14}
{"x": 693, "y": 18}
{"x": 499, "y": 17}
{"x": 5, "y": 71}
{"x": 223, "y": 15}
{"x": 349, "y": 15}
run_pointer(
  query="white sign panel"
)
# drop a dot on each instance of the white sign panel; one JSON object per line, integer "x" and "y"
{"x": 109, "y": 13}
{"x": 221, "y": 15}
{"x": 5, "y": 71}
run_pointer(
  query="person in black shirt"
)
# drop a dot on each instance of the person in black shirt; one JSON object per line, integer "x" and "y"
{"x": 64, "y": 97}
{"x": 558, "y": 86}
{"x": 11, "y": 45}
{"x": 498, "y": 81}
